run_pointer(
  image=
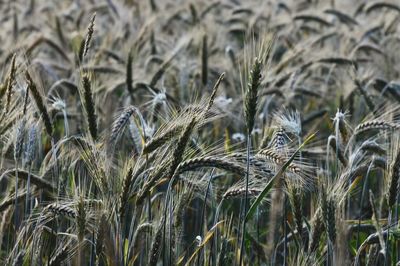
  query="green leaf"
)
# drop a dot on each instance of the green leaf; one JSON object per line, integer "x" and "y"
{"x": 271, "y": 182}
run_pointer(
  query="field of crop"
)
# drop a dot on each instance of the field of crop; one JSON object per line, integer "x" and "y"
{"x": 199, "y": 132}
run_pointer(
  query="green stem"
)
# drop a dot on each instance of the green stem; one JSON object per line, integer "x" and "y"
{"x": 245, "y": 199}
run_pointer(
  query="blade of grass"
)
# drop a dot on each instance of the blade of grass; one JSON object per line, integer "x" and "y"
{"x": 270, "y": 184}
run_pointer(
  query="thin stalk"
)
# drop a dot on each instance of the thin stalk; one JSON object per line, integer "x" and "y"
{"x": 203, "y": 212}
{"x": 396, "y": 219}
{"x": 148, "y": 207}
{"x": 16, "y": 197}
{"x": 149, "y": 236}
{"x": 284, "y": 230}
{"x": 258, "y": 232}
{"x": 166, "y": 206}
{"x": 170, "y": 231}
{"x": 337, "y": 144}
{"x": 245, "y": 196}
{"x": 55, "y": 170}
{"x": 149, "y": 215}
{"x": 388, "y": 236}
{"x": 241, "y": 215}
{"x": 215, "y": 242}
{"x": 135, "y": 213}
{"x": 28, "y": 192}
{"x": 92, "y": 250}
{"x": 365, "y": 185}
{"x": 66, "y": 126}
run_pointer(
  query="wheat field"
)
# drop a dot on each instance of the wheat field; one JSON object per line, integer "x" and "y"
{"x": 199, "y": 132}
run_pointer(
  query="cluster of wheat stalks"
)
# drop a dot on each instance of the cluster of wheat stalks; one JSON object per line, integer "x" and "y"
{"x": 199, "y": 132}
